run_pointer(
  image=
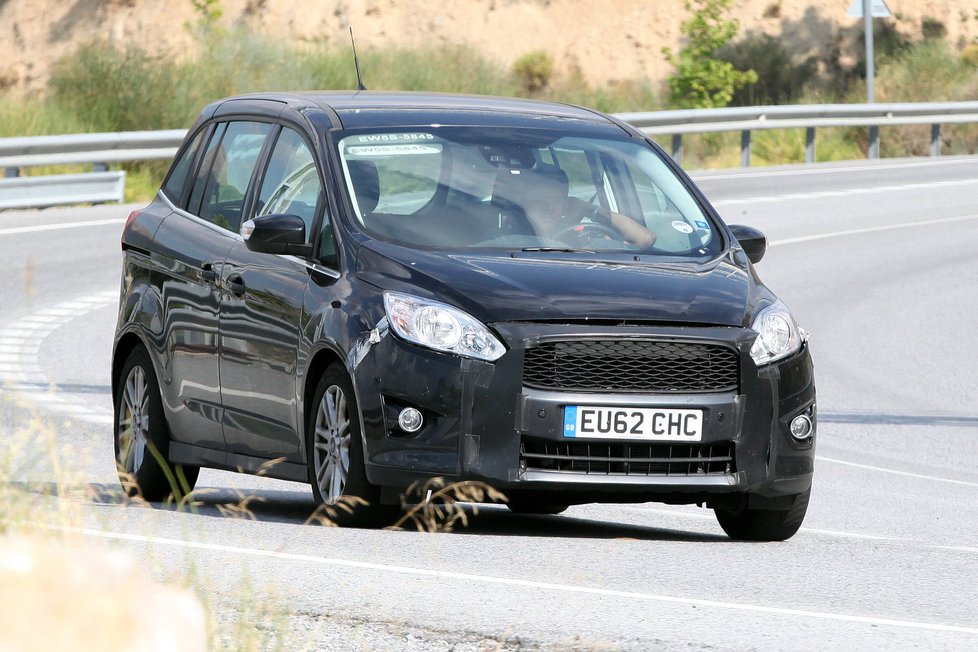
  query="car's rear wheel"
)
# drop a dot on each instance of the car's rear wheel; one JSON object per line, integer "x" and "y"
{"x": 531, "y": 504}
{"x": 335, "y": 457}
{"x": 142, "y": 438}
{"x": 751, "y": 524}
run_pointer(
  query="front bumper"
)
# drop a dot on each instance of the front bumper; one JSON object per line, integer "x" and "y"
{"x": 483, "y": 423}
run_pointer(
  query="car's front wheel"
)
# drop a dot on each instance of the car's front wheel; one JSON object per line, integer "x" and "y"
{"x": 142, "y": 439}
{"x": 335, "y": 456}
{"x": 751, "y": 524}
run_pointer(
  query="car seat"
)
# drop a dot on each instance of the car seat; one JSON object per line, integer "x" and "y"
{"x": 517, "y": 191}
{"x": 366, "y": 183}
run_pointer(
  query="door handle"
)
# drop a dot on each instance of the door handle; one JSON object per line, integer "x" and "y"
{"x": 207, "y": 273}
{"x": 236, "y": 285}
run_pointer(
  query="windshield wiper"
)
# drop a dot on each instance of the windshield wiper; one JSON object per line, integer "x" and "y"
{"x": 565, "y": 250}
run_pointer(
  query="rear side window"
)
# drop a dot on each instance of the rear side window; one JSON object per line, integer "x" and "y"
{"x": 177, "y": 180}
{"x": 226, "y": 172}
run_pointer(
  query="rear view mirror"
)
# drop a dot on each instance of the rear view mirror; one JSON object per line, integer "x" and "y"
{"x": 753, "y": 241}
{"x": 276, "y": 234}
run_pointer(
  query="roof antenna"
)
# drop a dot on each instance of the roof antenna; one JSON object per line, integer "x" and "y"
{"x": 356, "y": 62}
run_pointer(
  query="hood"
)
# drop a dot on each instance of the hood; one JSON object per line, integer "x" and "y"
{"x": 563, "y": 287}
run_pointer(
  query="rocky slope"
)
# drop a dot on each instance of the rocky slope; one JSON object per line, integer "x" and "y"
{"x": 605, "y": 39}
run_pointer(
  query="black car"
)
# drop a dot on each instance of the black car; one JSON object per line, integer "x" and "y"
{"x": 367, "y": 290}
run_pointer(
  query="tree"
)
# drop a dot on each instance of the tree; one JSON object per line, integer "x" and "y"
{"x": 703, "y": 81}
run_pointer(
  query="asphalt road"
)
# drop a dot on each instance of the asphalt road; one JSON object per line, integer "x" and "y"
{"x": 876, "y": 260}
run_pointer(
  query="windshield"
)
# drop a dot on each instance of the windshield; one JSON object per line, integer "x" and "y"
{"x": 523, "y": 189}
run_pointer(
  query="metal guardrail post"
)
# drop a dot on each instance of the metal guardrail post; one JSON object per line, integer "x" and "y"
{"x": 11, "y": 173}
{"x": 677, "y": 148}
{"x": 100, "y": 167}
{"x": 810, "y": 145}
{"x": 935, "y": 139}
{"x": 745, "y": 148}
{"x": 874, "y": 142}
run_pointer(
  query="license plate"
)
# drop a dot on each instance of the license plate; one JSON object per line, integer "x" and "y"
{"x": 646, "y": 424}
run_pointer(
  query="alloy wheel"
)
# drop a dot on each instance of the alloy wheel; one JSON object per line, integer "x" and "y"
{"x": 133, "y": 421}
{"x": 331, "y": 448}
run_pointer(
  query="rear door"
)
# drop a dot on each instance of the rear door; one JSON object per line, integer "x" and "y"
{"x": 193, "y": 243}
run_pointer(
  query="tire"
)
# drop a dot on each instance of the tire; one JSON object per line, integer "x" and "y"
{"x": 140, "y": 425}
{"x": 748, "y": 524}
{"x": 530, "y": 504}
{"x": 334, "y": 453}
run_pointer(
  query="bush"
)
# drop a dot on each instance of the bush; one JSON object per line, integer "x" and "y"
{"x": 780, "y": 79}
{"x": 927, "y": 71}
{"x": 534, "y": 70}
{"x": 118, "y": 90}
{"x": 702, "y": 80}
{"x": 931, "y": 28}
{"x": 970, "y": 55}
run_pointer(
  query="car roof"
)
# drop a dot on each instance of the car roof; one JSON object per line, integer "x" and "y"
{"x": 356, "y": 109}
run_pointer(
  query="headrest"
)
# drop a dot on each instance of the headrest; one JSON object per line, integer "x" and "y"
{"x": 366, "y": 182}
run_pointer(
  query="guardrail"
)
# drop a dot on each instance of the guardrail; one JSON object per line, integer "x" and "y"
{"x": 104, "y": 149}
{"x": 803, "y": 116}
{"x": 101, "y": 150}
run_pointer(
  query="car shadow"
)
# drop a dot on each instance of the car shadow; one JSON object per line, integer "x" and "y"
{"x": 298, "y": 507}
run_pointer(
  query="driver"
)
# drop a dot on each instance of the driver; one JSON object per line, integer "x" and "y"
{"x": 543, "y": 195}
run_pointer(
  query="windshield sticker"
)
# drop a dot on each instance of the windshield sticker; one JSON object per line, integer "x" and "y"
{"x": 682, "y": 227}
{"x": 392, "y": 150}
{"x": 702, "y": 226}
{"x": 370, "y": 139}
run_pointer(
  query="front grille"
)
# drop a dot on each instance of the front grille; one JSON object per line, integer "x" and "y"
{"x": 641, "y": 459}
{"x": 631, "y": 366}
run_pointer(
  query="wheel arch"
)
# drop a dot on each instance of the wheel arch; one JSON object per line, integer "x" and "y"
{"x": 126, "y": 344}
{"x": 320, "y": 361}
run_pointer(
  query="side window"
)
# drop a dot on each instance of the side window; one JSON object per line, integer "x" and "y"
{"x": 231, "y": 165}
{"x": 675, "y": 231}
{"x": 177, "y": 179}
{"x": 291, "y": 185}
{"x": 193, "y": 204}
{"x": 578, "y": 168}
{"x": 656, "y": 207}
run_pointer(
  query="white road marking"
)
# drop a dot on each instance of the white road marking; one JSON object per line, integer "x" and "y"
{"x": 532, "y": 584}
{"x": 21, "y": 343}
{"x": 15, "y": 230}
{"x": 958, "y": 548}
{"x": 757, "y": 174}
{"x": 843, "y": 193}
{"x": 872, "y": 229}
{"x": 908, "y": 474}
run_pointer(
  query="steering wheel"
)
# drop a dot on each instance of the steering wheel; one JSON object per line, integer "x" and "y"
{"x": 590, "y": 231}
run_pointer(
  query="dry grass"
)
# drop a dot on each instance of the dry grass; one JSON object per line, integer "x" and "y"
{"x": 85, "y": 587}
{"x": 442, "y": 506}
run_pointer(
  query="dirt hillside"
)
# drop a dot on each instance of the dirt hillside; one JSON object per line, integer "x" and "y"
{"x": 605, "y": 39}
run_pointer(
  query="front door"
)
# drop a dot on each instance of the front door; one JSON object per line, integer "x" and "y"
{"x": 262, "y": 315}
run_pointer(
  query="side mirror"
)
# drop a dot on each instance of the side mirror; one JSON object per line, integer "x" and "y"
{"x": 753, "y": 241}
{"x": 276, "y": 234}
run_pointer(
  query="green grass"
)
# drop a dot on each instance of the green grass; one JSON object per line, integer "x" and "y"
{"x": 104, "y": 88}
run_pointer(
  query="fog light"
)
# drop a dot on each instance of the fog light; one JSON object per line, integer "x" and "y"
{"x": 801, "y": 427}
{"x": 410, "y": 420}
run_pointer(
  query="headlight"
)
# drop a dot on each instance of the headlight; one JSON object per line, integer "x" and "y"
{"x": 778, "y": 336}
{"x": 440, "y": 327}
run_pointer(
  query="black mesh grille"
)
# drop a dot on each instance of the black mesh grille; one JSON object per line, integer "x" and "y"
{"x": 631, "y": 366}
{"x": 642, "y": 459}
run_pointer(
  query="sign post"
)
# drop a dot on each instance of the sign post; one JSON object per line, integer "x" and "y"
{"x": 870, "y": 9}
